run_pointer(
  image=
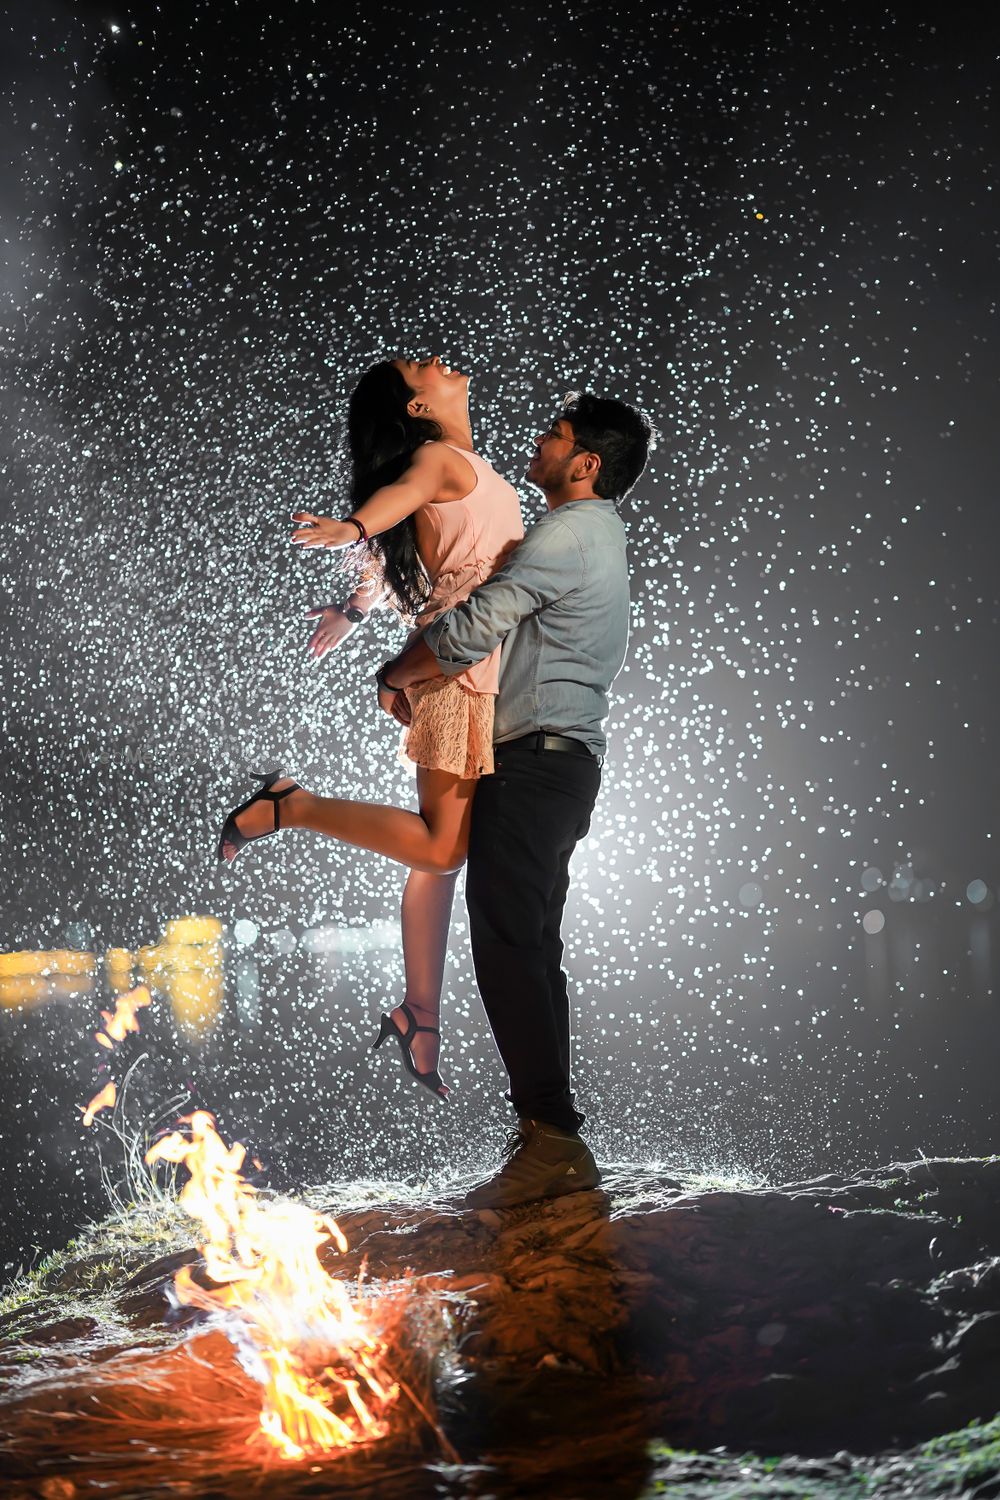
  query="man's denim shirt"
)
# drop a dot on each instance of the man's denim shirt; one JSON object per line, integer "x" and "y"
{"x": 560, "y": 605}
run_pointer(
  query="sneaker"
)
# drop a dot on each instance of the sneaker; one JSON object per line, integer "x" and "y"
{"x": 543, "y": 1162}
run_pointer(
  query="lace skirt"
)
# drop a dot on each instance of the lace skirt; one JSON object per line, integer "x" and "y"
{"x": 451, "y": 729}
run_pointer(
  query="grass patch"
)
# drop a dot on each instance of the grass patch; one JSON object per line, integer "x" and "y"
{"x": 962, "y": 1457}
{"x": 951, "y": 1464}
{"x": 687, "y": 1474}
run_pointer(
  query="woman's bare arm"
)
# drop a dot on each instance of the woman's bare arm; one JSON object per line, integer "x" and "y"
{"x": 429, "y": 473}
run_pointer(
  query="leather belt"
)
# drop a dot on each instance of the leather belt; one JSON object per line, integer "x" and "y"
{"x": 542, "y": 741}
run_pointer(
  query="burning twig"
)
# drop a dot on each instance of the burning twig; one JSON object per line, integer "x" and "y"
{"x": 117, "y": 1025}
{"x": 103, "y": 1100}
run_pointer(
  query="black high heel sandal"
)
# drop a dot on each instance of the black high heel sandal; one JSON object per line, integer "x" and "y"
{"x": 432, "y": 1078}
{"x": 231, "y": 834}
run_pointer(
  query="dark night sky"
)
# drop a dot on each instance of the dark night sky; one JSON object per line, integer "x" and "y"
{"x": 775, "y": 229}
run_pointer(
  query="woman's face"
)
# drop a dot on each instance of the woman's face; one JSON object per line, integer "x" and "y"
{"x": 436, "y": 388}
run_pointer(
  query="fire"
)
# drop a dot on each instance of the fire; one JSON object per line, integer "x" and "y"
{"x": 123, "y": 1020}
{"x": 299, "y": 1332}
{"x": 104, "y": 1100}
{"x": 314, "y": 1349}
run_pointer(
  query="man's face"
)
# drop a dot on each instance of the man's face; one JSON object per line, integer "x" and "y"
{"x": 555, "y": 452}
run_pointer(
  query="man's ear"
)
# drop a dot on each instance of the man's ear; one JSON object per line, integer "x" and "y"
{"x": 589, "y": 467}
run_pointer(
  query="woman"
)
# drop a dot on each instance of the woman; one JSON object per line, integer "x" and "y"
{"x": 438, "y": 521}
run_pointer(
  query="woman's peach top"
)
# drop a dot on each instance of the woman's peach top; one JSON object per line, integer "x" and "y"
{"x": 461, "y": 544}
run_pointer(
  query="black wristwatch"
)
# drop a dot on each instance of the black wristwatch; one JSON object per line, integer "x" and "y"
{"x": 354, "y": 615}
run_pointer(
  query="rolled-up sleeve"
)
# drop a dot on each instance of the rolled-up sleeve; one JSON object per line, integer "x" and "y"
{"x": 546, "y": 566}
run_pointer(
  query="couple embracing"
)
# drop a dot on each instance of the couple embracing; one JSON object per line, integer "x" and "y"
{"x": 503, "y": 691}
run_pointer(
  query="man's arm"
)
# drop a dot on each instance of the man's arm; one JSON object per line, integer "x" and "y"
{"x": 540, "y": 571}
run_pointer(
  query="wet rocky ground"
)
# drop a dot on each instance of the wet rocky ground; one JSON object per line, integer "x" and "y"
{"x": 663, "y": 1335}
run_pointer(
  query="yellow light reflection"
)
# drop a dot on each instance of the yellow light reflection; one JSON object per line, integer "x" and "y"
{"x": 118, "y": 970}
{"x": 186, "y": 966}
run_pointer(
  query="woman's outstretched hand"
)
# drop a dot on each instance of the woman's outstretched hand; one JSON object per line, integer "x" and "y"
{"x": 322, "y": 531}
{"x": 333, "y": 627}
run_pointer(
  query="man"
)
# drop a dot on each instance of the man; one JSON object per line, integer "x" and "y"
{"x": 560, "y": 606}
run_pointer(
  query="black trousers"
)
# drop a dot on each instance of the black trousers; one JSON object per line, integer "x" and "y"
{"x": 527, "y": 819}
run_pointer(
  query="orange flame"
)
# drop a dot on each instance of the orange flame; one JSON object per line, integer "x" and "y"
{"x": 104, "y": 1100}
{"x": 317, "y": 1355}
{"x": 123, "y": 1019}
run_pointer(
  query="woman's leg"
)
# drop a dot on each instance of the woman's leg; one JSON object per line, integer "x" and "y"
{"x": 433, "y": 840}
{"x": 426, "y": 921}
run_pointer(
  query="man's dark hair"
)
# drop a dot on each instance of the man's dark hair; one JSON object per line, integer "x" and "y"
{"x": 619, "y": 434}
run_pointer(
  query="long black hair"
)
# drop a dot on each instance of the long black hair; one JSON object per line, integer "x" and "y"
{"x": 381, "y": 440}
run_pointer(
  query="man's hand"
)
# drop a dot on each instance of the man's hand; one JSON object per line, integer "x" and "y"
{"x": 394, "y": 701}
{"x": 321, "y": 531}
{"x": 333, "y": 627}
{"x": 415, "y": 663}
